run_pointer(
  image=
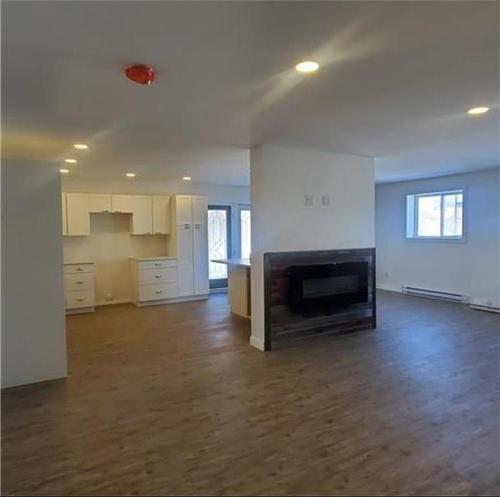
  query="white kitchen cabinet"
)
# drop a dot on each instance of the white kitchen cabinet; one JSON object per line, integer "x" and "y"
{"x": 99, "y": 202}
{"x": 200, "y": 210}
{"x": 200, "y": 279}
{"x": 185, "y": 243}
{"x": 77, "y": 207}
{"x": 186, "y": 279}
{"x": 79, "y": 291}
{"x": 154, "y": 281}
{"x": 190, "y": 217}
{"x": 200, "y": 259}
{"x": 77, "y": 214}
{"x": 185, "y": 259}
{"x": 161, "y": 215}
{"x": 122, "y": 203}
{"x": 64, "y": 215}
{"x": 183, "y": 209}
{"x": 200, "y": 243}
{"x": 142, "y": 215}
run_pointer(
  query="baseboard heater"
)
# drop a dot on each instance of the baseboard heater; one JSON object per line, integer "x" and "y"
{"x": 488, "y": 308}
{"x": 435, "y": 294}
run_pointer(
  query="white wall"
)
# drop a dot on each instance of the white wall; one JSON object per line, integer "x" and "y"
{"x": 33, "y": 327}
{"x": 471, "y": 267}
{"x": 280, "y": 177}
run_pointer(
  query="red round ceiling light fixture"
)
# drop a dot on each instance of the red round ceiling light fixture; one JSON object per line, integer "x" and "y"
{"x": 140, "y": 74}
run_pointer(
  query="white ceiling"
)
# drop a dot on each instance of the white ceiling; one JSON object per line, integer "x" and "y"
{"x": 395, "y": 80}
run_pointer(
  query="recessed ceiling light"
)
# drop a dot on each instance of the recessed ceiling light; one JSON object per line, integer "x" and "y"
{"x": 81, "y": 146}
{"x": 70, "y": 161}
{"x": 307, "y": 66}
{"x": 187, "y": 178}
{"x": 130, "y": 175}
{"x": 475, "y": 111}
{"x": 64, "y": 171}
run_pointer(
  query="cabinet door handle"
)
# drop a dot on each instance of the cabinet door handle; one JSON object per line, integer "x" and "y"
{"x": 159, "y": 291}
{"x": 80, "y": 300}
{"x": 158, "y": 264}
{"x": 79, "y": 282}
{"x": 157, "y": 276}
{"x": 79, "y": 269}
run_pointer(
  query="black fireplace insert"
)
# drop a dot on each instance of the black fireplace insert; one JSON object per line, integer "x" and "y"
{"x": 325, "y": 288}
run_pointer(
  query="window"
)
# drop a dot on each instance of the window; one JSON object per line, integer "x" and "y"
{"x": 435, "y": 215}
{"x": 219, "y": 244}
{"x": 245, "y": 233}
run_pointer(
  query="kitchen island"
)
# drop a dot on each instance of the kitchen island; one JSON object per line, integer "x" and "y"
{"x": 238, "y": 277}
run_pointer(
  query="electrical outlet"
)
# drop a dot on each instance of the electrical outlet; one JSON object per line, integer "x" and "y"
{"x": 308, "y": 200}
{"x": 108, "y": 297}
{"x": 325, "y": 200}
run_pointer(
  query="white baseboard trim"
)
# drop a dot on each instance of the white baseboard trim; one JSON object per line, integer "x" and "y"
{"x": 257, "y": 342}
{"x": 485, "y": 308}
{"x": 112, "y": 302}
{"x": 80, "y": 310}
{"x": 218, "y": 290}
{"x": 389, "y": 288}
{"x": 176, "y": 300}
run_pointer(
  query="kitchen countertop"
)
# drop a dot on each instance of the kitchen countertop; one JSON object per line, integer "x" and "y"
{"x": 160, "y": 258}
{"x": 233, "y": 262}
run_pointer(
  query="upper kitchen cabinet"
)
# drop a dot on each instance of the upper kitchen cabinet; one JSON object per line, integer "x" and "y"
{"x": 77, "y": 214}
{"x": 183, "y": 209}
{"x": 123, "y": 203}
{"x": 99, "y": 202}
{"x": 142, "y": 215}
{"x": 190, "y": 209}
{"x": 200, "y": 206}
{"x": 161, "y": 215}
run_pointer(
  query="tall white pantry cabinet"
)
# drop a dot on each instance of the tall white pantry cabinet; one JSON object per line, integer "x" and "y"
{"x": 190, "y": 244}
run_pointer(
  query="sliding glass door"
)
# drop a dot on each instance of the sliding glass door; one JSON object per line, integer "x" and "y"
{"x": 219, "y": 243}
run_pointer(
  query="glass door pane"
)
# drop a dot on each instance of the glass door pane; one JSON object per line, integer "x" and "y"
{"x": 245, "y": 231}
{"x": 219, "y": 220}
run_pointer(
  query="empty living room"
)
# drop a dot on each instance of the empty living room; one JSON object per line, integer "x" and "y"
{"x": 250, "y": 248}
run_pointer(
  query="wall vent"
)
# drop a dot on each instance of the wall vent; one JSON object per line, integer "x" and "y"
{"x": 435, "y": 294}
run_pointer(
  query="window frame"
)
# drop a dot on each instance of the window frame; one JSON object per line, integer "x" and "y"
{"x": 414, "y": 236}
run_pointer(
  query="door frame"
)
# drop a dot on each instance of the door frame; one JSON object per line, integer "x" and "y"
{"x": 221, "y": 282}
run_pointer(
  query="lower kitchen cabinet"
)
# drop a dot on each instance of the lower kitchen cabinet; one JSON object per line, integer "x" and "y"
{"x": 154, "y": 280}
{"x": 79, "y": 291}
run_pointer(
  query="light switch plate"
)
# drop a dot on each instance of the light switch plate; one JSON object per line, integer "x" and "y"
{"x": 325, "y": 200}
{"x": 308, "y": 200}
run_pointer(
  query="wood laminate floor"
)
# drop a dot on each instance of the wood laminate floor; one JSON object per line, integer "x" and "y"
{"x": 171, "y": 400}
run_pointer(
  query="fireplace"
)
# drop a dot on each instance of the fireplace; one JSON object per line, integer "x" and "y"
{"x": 324, "y": 288}
{"x": 317, "y": 293}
